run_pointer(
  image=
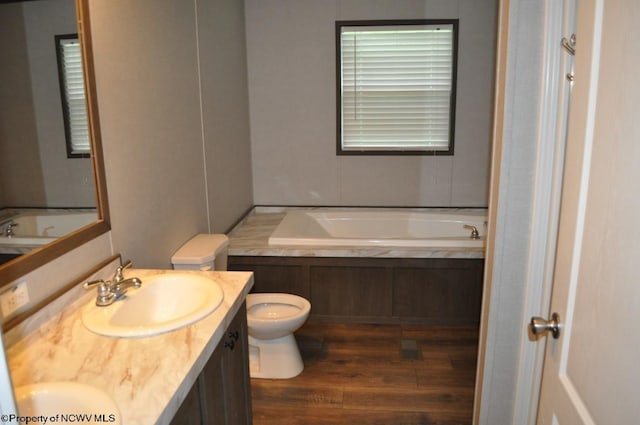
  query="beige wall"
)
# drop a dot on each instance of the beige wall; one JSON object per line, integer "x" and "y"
{"x": 225, "y": 111}
{"x": 68, "y": 182}
{"x": 35, "y": 170}
{"x": 291, "y": 56}
{"x": 148, "y": 82}
{"x": 18, "y": 138}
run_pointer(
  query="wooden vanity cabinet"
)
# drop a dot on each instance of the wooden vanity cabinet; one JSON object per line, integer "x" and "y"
{"x": 190, "y": 411}
{"x": 222, "y": 393}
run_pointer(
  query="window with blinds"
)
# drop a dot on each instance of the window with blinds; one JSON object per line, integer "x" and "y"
{"x": 74, "y": 107}
{"x": 396, "y": 86}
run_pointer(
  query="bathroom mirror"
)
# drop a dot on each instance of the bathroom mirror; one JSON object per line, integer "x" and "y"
{"x": 28, "y": 20}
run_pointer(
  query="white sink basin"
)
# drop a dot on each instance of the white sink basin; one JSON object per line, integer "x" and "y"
{"x": 70, "y": 401}
{"x": 163, "y": 303}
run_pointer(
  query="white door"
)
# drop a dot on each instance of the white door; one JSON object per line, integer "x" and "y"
{"x": 592, "y": 370}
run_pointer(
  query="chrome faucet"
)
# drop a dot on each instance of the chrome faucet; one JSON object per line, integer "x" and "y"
{"x": 474, "y": 231}
{"x": 9, "y": 229}
{"x": 112, "y": 290}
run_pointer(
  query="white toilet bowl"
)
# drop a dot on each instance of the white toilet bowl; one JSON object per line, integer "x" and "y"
{"x": 272, "y": 319}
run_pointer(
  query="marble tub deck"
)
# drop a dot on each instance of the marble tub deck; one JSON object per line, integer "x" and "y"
{"x": 251, "y": 238}
{"x": 148, "y": 377}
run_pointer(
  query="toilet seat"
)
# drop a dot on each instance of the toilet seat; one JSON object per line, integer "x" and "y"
{"x": 275, "y": 306}
{"x": 273, "y": 311}
{"x": 276, "y": 298}
{"x": 274, "y": 315}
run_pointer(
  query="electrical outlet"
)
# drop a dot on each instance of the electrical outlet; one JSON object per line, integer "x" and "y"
{"x": 14, "y": 298}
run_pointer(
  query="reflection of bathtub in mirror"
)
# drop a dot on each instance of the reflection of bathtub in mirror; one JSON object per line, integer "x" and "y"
{"x": 32, "y": 228}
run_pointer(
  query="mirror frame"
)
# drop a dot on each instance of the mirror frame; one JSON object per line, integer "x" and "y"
{"x": 30, "y": 261}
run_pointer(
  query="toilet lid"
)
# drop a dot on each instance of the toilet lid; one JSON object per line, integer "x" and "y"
{"x": 201, "y": 249}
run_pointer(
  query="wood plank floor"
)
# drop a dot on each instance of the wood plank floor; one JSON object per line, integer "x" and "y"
{"x": 374, "y": 375}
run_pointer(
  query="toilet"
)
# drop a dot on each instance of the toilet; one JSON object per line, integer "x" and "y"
{"x": 272, "y": 318}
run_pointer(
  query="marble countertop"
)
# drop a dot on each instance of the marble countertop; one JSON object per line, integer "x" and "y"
{"x": 251, "y": 238}
{"x": 148, "y": 377}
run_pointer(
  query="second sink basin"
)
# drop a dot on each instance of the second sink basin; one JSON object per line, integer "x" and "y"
{"x": 66, "y": 402}
{"x": 163, "y": 303}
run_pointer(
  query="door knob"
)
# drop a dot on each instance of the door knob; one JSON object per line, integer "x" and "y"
{"x": 540, "y": 326}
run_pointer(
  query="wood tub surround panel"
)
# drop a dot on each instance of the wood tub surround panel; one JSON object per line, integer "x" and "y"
{"x": 289, "y": 278}
{"x": 375, "y": 290}
{"x": 451, "y": 293}
{"x": 350, "y": 291}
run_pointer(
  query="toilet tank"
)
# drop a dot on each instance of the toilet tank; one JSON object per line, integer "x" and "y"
{"x": 202, "y": 252}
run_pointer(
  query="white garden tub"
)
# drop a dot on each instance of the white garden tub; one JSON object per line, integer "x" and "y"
{"x": 399, "y": 228}
{"x": 34, "y": 228}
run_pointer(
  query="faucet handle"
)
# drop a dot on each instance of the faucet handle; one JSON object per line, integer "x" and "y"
{"x": 90, "y": 284}
{"x": 119, "y": 276}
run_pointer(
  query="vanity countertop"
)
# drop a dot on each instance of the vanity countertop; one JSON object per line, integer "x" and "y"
{"x": 148, "y": 377}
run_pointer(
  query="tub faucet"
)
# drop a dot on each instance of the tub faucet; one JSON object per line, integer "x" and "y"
{"x": 112, "y": 290}
{"x": 9, "y": 230}
{"x": 474, "y": 231}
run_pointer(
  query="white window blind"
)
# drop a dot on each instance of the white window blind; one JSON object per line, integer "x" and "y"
{"x": 396, "y": 87}
{"x": 73, "y": 93}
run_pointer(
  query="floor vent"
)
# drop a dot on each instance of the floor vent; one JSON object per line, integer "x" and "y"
{"x": 409, "y": 349}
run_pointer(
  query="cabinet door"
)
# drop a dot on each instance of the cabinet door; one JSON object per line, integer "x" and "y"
{"x": 190, "y": 411}
{"x": 222, "y": 393}
{"x": 212, "y": 389}
{"x": 226, "y": 394}
{"x": 235, "y": 364}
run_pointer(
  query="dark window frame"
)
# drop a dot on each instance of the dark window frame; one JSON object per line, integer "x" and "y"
{"x": 65, "y": 105}
{"x": 452, "y": 103}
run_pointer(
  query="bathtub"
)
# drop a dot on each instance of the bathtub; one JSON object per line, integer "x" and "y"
{"x": 39, "y": 227}
{"x": 393, "y": 228}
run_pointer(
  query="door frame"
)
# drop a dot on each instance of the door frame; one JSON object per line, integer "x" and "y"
{"x": 514, "y": 398}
